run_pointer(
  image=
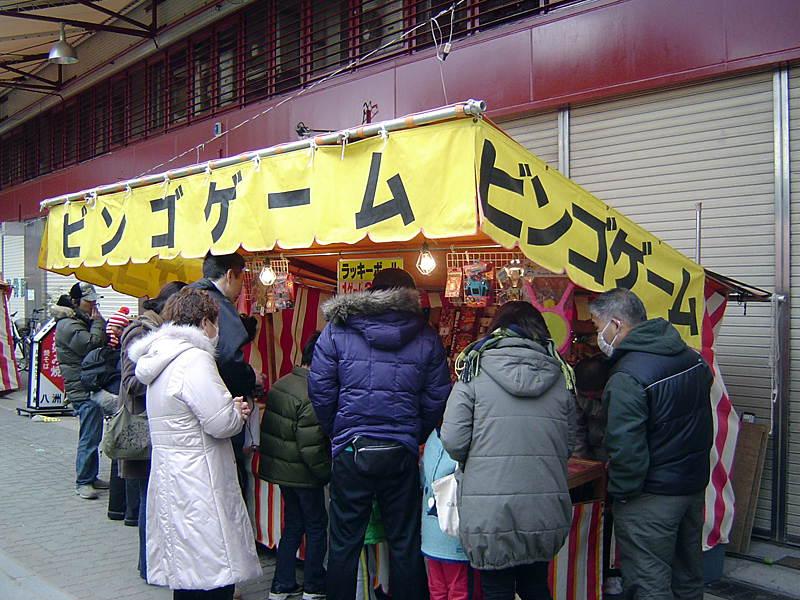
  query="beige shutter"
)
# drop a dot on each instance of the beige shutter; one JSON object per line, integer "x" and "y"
{"x": 653, "y": 157}
{"x": 537, "y": 134}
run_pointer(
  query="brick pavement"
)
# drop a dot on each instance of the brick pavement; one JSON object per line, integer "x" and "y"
{"x": 55, "y": 545}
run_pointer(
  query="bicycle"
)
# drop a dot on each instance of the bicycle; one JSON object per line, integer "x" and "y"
{"x": 22, "y": 333}
{"x": 20, "y": 341}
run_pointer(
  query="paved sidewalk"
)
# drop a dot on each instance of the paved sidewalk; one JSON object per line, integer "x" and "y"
{"x": 55, "y": 545}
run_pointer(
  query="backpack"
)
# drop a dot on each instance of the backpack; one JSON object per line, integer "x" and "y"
{"x": 100, "y": 370}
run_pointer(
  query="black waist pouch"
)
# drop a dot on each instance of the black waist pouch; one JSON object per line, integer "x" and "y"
{"x": 378, "y": 457}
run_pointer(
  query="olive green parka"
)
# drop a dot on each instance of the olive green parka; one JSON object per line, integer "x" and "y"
{"x": 76, "y": 335}
{"x": 293, "y": 450}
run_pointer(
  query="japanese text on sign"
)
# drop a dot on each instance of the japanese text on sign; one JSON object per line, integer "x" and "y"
{"x": 357, "y": 275}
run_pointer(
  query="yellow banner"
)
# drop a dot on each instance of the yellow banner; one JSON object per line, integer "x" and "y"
{"x": 563, "y": 228}
{"x": 417, "y": 180}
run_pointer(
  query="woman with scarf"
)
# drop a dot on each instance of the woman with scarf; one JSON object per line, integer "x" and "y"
{"x": 510, "y": 423}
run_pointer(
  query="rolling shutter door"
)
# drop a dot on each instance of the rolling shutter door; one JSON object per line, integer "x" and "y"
{"x": 537, "y": 134}
{"x": 110, "y": 302}
{"x": 793, "y": 495}
{"x": 653, "y": 157}
{"x": 14, "y": 273}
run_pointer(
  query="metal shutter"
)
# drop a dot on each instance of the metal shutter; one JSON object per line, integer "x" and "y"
{"x": 793, "y": 495}
{"x": 654, "y": 156}
{"x": 110, "y": 302}
{"x": 14, "y": 273}
{"x": 537, "y": 134}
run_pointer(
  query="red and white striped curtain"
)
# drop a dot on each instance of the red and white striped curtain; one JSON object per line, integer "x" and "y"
{"x": 9, "y": 375}
{"x": 720, "y": 502}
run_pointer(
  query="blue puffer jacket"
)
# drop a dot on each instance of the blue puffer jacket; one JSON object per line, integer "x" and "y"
{"x": 379, "y": 370}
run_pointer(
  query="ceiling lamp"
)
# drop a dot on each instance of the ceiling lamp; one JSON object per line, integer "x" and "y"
{"x": 62, "y": 53}
{"x": 267, "y": 276}
{"x": 425, "y": 263}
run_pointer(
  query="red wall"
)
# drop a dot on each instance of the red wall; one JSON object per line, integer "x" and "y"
{"x": 584, "y": 52}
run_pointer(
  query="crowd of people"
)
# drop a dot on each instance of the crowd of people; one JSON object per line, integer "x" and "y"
{"x": 370, "y": 415}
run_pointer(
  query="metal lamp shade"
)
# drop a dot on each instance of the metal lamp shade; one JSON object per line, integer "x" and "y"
{"x": 62, "y": 53}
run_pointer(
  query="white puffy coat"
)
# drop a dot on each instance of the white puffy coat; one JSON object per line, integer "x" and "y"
{"x": 198, "y": 532}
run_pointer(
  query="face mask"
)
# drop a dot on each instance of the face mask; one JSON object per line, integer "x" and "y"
{"x": 605, "y": 347}
{"x": 215, "y": 339}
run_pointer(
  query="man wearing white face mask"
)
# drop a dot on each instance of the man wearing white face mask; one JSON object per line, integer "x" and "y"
{"x": 658, "y": 438}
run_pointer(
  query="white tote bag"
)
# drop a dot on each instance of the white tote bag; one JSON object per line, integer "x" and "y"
{"x": 444, "y": 491}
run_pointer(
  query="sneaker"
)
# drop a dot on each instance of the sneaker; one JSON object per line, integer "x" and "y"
{"x": 99, "y": 484}
{"x": 612, "y": 586}
{"x": 275, "y": 594}
{"x": 314, "y": 596}
{"x": 87, "y": 492}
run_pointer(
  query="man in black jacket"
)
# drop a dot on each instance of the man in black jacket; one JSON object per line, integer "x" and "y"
{"x": 223, "y": 279}
{"x": 658, "y": 438}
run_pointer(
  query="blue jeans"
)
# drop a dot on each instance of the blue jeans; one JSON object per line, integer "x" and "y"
{"x": 142, "y": 566}
{"x": 303, "y": 512}
{"x": 89, "y": 434}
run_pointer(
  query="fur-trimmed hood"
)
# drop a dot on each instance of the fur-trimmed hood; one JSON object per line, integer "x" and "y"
{"x": 61, "y": 312}
{"x": 157, "y": 349}
{"x": 367, "y": 303}
{"x": 387, "y": 319}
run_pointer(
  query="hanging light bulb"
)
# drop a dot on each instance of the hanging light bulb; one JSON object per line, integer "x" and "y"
{"x": 62, "y": 53}
{"x": 267, "y": 275}
{"x": 425, "y": 263}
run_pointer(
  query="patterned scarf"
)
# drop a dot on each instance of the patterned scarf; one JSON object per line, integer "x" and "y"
{"x": 468, "y": 363}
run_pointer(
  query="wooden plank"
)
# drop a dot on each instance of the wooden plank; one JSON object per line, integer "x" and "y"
{"x": 748, "y": 464}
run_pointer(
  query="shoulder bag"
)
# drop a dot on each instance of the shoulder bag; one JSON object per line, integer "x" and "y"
{"x": 127, "y": 436}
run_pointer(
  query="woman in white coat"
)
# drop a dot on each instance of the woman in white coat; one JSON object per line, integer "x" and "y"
{"x": 199, "y": 539}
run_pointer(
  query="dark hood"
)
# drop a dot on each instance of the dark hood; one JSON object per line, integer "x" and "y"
{"x": 656, "y": 336}
{"x": 388, "y": 319}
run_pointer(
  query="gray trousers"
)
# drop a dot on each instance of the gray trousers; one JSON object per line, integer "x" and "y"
{"x": 660, "y": 546}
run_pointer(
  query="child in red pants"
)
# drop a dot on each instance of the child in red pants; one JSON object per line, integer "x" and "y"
{"x": 449, "y": 575}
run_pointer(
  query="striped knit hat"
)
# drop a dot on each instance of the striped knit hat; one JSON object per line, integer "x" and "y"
{"x": 118, "y": 319}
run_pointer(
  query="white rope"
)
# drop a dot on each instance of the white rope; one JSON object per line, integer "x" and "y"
{"x": 128, "y": 190}
{"x": 257, "y": 163}
{"x": 208, "y": 175}
{"x": 384, "y": 135}
{"x": 312, "y": 150}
